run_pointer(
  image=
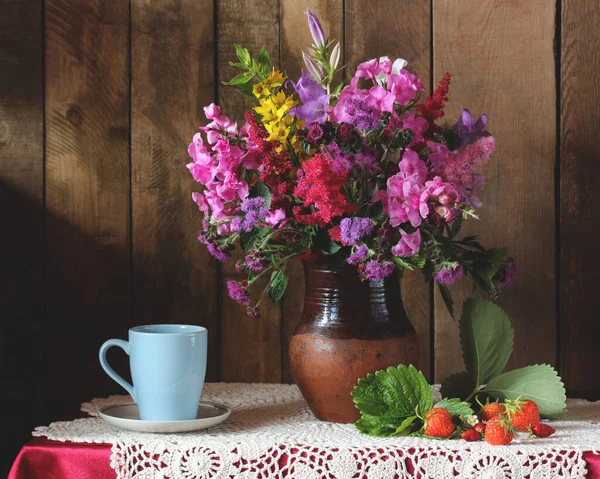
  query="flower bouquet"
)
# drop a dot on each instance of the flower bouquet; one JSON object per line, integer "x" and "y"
{"x": 362, "y": 173}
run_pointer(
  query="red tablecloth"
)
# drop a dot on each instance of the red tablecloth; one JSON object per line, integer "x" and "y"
{"x": 44, "y": 459}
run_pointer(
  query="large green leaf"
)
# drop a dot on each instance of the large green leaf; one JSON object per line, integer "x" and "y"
{"x": 393, "y": 394}
{"x": 458, "y": 385}
{"x": 540, "y": 383}
{"x": 447, "y": 297}
{"x": 279, "y": 282}
{"x": 486, "y": 338}
{"x": 455, "y": 407}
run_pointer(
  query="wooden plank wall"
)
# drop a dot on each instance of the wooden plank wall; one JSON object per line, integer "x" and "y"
{"x": 98, "y": 101}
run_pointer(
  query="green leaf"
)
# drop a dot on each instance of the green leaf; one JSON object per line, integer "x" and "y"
{"x": 246, "y": 90}
{"x": 240, "y": 79}
{"x": 279, "y": 282}
{"x": 261, "y": 190}
{"x": 456, "y": 226}
{"x": 388, "y": 397}
{"x": 250, "y": 241}
{"x": 238, "y": 65}
{"x": 447, "y": 297}
{"x": 458, "y": 385}
{"x": 264, "y": 62}
{"x": 243, "y": 54}
{"x": 376, "y": 210}
{"x": 485, "y": 269}
{"x": 401, "y": 262}
{"x": 486, "y": 337}
{"x": 540, "y": 383}
{"x": 455, "y": 407}
{"x": 404, "y": 428}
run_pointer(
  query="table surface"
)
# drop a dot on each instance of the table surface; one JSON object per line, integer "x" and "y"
{"x": 271, "y": 425}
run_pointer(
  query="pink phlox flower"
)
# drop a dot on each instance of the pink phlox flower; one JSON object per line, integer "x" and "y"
{"x": 404, "y": 85}
{"x": 409, "y": 244}
{"x": 200, "y": 200}
{"x": 381, "y": 99}
{"x": 412, "y": 165}
{"x": 418, "y": 125}
{"x": 275, "y": 217}
{"x": 368, "y": 69}
{"x": 405, "y": 200}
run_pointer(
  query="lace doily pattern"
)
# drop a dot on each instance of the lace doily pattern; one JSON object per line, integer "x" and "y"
{"x": 272, "y": 434}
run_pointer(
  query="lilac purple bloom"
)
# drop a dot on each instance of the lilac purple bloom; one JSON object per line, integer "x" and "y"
{"x": 354, "y": 229}
{"x": 314, "y": 100}
{"x": 256, "y": 212}
{"x": 507, "y": 276}
{"x": 376, "y": 271}
{"x": 316, "y": 30}
{"x": 469, "y": 129}
{"x": 238, "y": 293}
{"x": 254, "y": 262}
{"x": 449, "y": 275}
{"x": 359, "y": 255}
{"x": 219, "y": 253}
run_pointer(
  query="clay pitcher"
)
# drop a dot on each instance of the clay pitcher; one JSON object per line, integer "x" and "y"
{"x": 348, "y": 329}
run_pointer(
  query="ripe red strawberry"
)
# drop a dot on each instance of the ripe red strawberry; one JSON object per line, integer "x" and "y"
{"x": 524, "y": 413}
{"x": 471, "y": 435}
{"x": 492, "y": 410}
{"x": 499, "y": 431}
{"x": 438, "y": 423}
{"x": 480, "y": 428}
{"x": 542, "y": 430}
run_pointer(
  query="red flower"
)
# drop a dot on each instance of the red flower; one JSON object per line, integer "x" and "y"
{"x": 335, "y": 234}
{"x": 321, "y": 189}
{"x": 434, "y": 105}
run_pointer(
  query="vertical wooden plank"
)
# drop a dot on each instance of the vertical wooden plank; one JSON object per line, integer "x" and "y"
{"x": 172, "y": 79}
{"x": 250, "y": 348}
{"x": 501, "y": 57}
{"x": 398, "y": 30}
{"x": 579, "y": 186}
{"x": 22, "y": 212}
{"x": 87, "y": 192}
{"x": 295, "y": 37}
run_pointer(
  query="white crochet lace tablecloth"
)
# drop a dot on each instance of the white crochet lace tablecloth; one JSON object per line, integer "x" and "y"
{"x": 272, "y": 434}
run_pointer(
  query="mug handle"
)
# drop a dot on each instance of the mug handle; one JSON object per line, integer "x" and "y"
{"x": 124, "y": 345}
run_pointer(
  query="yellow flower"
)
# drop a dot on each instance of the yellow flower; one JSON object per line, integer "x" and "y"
{"x": 260, "y": 89}
{"x": 275, "y": 79}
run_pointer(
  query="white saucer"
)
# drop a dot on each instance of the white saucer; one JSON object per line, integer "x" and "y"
{"x": 127, "y": 416}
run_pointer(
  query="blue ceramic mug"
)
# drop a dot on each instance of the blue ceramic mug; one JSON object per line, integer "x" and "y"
{"x": 168, "y": 366}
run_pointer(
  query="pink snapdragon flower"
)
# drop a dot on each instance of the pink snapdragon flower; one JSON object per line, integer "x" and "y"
{"x": 219, "y": 124}
{"x": 405, "y": 202}
{"x": 409, "y": 244}
{"x": 412, "y": 165}
{"x": 200, "y": 200}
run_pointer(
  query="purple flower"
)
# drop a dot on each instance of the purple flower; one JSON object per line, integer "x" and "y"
{"x": 409, "y": 244}
{"x": 256, "y": 212}
{"x": 507, "y": 276}
{"x": 359, "y": 255}
{"x": 238, "y": 292}
{"x": 449, "y": 275}
{"x": 314, "y": 100}
{"x": 469, "y": 129}
{"x": 316, "y": 30}
{"x": 217, "y": 252}
{"x": 354, "y": 229}
{"x": 315, "y": 133}
{"x": 253, "y": 204}
{"x": 254, "y": 262}
{"x": 375, "y": 271}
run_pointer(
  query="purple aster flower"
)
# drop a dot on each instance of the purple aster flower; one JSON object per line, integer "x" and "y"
{"x": 354, "y": 229}
{"x": 238, "y": 292}
{"x": 376, "y": 271}
{"x": 507, "y": 276}
{"x": 449, "y": 275}
{"x": 314, "y": 100}
{"x": 359, "y": 255}
{"x": 217, "y": 252}
{"x": 253, "y": 204}
{"x": 254, "y": 262}
{"x": 469, "y": 129}
{"x": 236, "y": 224}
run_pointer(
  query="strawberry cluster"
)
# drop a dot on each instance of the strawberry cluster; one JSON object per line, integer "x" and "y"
{"x": 497, "y": 423}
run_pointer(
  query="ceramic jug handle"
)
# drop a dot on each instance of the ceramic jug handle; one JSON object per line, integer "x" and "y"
{"x": 124, "y": 345}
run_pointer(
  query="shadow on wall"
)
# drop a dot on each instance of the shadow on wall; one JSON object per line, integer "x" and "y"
{"x": 62, "y": 294}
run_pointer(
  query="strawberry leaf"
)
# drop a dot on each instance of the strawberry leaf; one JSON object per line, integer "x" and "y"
{"x": 458, "y": 385}
{"x": 487, "y": 338}
{"x": 540, "y": 383}
{"x": 455, "y": 407}
{"x": 388, "y": 397}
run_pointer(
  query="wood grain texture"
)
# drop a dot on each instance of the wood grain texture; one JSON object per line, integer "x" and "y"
{"x": 579, "y": 203}
{"x": 501, "y": 57}
{"x": 87, "y": 192}
{"x": 250, "y": 348}
{"x": 172, "y": 79}
{"x": 396, "y": 29}
{"x": 22, "y": 257}
{"x": 295, "y": 37}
